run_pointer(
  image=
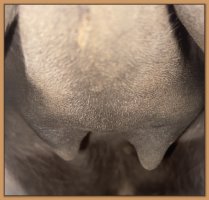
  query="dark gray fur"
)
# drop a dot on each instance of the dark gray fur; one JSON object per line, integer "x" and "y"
{"x": 106, "y": 166}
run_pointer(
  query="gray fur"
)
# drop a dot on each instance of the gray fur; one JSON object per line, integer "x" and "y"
{"x": 107, "y": 166}
{"x": 115, "y": 71}
{"x": 10, "y": 14}
{"x": 192, "y": 17}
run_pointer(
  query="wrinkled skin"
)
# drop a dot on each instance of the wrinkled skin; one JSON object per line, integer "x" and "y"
{"x": 129, "y": 74}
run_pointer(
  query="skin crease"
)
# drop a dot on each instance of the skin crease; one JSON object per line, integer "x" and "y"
{"x": 102, "y": 77}
{"x": 193, "y": 16}
{"x": 10, "y": 13}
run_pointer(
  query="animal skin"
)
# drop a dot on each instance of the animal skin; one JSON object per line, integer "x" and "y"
{"x": 104, "y": 100}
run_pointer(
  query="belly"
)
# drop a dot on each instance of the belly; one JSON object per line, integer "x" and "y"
{"x": 108, "y": 70}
